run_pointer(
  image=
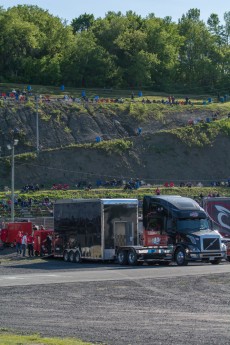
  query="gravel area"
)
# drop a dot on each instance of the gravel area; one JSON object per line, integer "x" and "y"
{"x": 192, "y": 310}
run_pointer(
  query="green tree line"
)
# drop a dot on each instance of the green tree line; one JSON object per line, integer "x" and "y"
{"x": 115, "y": 51}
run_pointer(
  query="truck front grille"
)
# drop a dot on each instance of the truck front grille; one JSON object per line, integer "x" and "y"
{"x": 211, "y": 244}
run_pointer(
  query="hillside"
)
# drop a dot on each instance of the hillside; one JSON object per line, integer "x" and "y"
{"x": 69, "y": 153}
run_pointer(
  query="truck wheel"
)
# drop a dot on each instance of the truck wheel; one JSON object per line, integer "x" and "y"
{"x": 122, "y": 257}
{"x": 71, "y": 256}
{"x": 132, "y": 258}
{"x": 215, "y": 262}
{"x": 65, "y": 256}
{"x": 228, "y": 258}
{"x": 77, "y": 257}
{"x": 180, "y": 257}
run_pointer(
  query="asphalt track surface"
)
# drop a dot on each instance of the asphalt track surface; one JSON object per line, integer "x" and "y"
{"x": 109, "y": 304}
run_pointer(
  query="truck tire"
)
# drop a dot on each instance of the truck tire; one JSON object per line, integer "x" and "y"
{"x": 66, "y": 256}
{"x": 180, "y": 257}
{"x": 122, "y": 257}
{"x": 71, "y": 256}
{"x": 77, "y": 257}
{"x": 132, "y": 257}
{"x": 215, "y": 262}
{"x": 228, "y": 258}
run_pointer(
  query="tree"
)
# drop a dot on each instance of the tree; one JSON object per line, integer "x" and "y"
{"x": 86, "y": 61}
{"x": 82, "y": 23}
{"x": 216, "y": 29}
{"x": 163, "y": 40}
{"x": 196, "y": 69}
{"x": 227, "y": 26}
{"x": 32, "y": 43}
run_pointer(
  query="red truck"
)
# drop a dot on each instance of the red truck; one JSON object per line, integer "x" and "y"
{"x": 218, "y": 209}
{"x": 9, "y": 232}
{"x": 42, "y": 242}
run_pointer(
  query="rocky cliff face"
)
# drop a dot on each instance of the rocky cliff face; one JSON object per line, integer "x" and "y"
{"x": 154, "y": 157}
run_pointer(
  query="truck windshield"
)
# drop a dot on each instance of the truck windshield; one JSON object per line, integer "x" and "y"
{"x": 191, "y": 225}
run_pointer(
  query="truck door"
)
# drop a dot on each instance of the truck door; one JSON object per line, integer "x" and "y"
{"x": 123, "y": 234}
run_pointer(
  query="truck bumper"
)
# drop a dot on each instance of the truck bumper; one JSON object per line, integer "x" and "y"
{"x": 204, "y": 256}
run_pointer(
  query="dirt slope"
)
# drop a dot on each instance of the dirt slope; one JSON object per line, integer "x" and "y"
{"x": 155, "y": 157}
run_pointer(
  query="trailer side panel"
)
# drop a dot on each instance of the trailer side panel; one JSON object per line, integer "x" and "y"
{"x": 78, "y": 225}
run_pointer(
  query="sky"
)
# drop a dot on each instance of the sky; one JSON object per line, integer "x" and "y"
{"x": 70, "y": 9}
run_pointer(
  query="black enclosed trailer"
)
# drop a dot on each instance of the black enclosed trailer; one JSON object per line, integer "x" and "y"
{"x": 94, "y": 228}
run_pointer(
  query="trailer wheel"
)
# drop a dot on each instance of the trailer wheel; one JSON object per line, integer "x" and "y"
{"x": 122, "y": 257}
{"x": 71, "y": 256}
{"x": 77, "y": 257}
{"x": 132, "y": 258}
{"x": 65, "y": 256}
{"x": 215, "y": 262}
{"x": 180, "y": 257}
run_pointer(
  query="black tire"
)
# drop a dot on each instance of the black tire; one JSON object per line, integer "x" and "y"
{"x": 228, "y": 258}
{"x": 77, "y": 257}
{"x": 215, "y": 262}
{"x": 132, "y": 258}
{"x": 180, "y": 257}
{"x": 122, "y": 257}
{"x": 65, "y": 256}
{"x": 71, "y": 256}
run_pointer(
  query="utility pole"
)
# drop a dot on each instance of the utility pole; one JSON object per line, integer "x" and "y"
{"x": 37, "y": 126}
{"x": 11, "y": 147}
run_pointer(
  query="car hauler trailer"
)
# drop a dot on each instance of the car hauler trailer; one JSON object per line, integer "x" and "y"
{"x": 184, "y": 227}
{"x": 93, "y": 228}
{"x": 218, "y": 209}
{"x": 174, "y": 228}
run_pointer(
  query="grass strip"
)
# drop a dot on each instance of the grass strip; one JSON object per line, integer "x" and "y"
{"x": 7, "y": 338}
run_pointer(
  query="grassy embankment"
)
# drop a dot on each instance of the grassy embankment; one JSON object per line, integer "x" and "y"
{"x": 119, "y": 193}
{"x": 92, "y": 92}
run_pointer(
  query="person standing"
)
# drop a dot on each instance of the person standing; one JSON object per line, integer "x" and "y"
{"x": 30, "y": 245}
{"x": 49, "y": 244}
{"x": 24, "y": 244}
{"x": 158, "y": 192}
{"x": 19, "y": 243}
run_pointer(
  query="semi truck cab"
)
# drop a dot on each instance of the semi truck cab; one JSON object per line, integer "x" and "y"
{"x": 186, "y": 228}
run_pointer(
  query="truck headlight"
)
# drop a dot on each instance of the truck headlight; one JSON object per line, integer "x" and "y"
{"x": 193, "y": 249}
